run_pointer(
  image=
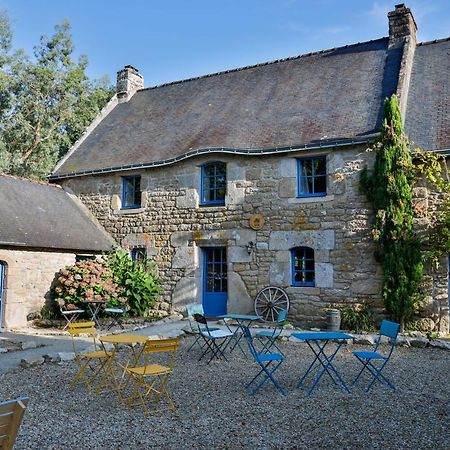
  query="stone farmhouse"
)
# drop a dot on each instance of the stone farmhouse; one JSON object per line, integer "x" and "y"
{"x": 42, "y": 229}
{"x": 247, "y": 178}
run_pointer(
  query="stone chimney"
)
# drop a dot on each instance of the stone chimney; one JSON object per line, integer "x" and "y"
{"x": 402, "y": 35}
{"x": 129, "y": 80}
{"x": 401, "y": 25}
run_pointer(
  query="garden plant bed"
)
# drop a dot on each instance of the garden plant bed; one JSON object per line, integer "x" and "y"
{"x": 216, "y": 412}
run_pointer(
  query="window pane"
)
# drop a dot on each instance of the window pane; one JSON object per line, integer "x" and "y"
{"x": 207, "y": 189}
{"x": 320, "y": 185}
{"x": 129, "y": 192}
{"x": 319, "y": 166}
{"x": 306, "y": 168}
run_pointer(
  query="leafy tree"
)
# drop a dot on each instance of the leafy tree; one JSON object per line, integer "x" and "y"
{"x": 46, "y": 102}
{"x": 389, "y": 187}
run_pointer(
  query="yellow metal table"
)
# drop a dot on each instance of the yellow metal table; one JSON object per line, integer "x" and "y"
{"x": 136, "y": 350}
{"x": 126, "y": 339}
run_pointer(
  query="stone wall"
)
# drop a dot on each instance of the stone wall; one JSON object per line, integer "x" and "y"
{"x": 173, "y": 228}
{"x": 29, "y": 275}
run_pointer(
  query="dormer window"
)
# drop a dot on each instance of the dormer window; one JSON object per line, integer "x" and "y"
{"x": 131, "y": 192}
{"x": 312, "y": 177}
{"x": 213, "y": 183}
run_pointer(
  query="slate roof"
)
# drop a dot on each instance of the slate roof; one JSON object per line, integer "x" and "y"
{"x": 38, "y": 215}
{"x": 427, "y": 121}
{"x": 315, "y": 99}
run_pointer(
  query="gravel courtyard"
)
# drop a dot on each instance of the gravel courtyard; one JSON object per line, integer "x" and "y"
{"x": 215, "y": 412}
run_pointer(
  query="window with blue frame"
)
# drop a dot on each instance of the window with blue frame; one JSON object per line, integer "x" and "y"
{"x": 213, "y": 183}
{"x": 302, "y": 266}
{"x": 312, "y": 176}
{"x": 131, "y": 192}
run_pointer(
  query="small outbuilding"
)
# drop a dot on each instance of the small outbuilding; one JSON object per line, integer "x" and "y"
{"x": 43, "y": 228}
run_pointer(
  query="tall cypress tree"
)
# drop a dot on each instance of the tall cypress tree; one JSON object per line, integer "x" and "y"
{"x": 389, "y": 187}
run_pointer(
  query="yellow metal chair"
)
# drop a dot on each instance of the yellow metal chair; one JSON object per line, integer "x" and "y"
{"x": 94, "y": 364}
{"x": 149, "y": 382}
{"x": 11, "y": 415}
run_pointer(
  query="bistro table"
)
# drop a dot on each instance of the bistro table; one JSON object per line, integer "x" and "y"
{"x": 128, "y": 339}
{"x": 94, "y": 307}
{"x": 318, "y": 342}
{"x": 241, "y": 321}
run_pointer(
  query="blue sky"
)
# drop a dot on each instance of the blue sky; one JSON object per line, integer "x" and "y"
{"x": 168, "y": 40}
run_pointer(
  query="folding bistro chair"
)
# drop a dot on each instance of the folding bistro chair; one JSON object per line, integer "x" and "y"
{"x": 94, "y": 364}
{"x": 116, "y": 315}
{"x": 268, "y": 363}
{"x": 11, "y": 415}
{"x": 214, "y": 339}
{"x": 390, "y": 330}
{"x": 149, "y": 382}
{"x": 71, "y": 315}
{"x": 191, "y": 309}
{"x": 268, "y": 338}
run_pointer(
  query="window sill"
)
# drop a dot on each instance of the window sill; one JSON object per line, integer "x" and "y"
{"x": 126, "y": 211}
{"x": 212, "y": 205}
{"x": 325, "y": 198}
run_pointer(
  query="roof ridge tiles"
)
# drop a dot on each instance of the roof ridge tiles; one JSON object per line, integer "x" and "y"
{"x": 266, "y": 63}
{"x": 434, "y": 41}
{"x": 17, "y": 177}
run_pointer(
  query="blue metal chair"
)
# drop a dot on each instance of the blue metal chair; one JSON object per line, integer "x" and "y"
{"x": 214, "y": 339}
{"x": 268, "y": 338}
{"x": 191, "y": 309}
{"x": 268, "y": 363}
{"x": 390, "y": 330}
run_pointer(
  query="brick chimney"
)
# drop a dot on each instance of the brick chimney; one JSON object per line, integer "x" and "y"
{"x": 129, "y": 80}
{"x": 401, "y": 25}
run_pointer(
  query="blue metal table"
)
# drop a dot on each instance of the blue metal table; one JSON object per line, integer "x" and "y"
{"x": 318, "y": 342}
{"x": 241, "y": 321}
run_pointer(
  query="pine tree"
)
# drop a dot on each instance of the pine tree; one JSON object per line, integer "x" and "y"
{"x": 389, "y": 187}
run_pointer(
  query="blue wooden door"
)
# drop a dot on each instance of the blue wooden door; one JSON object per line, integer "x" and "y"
{"x": 215, "y": 286}
{"x": 2, "y": 288}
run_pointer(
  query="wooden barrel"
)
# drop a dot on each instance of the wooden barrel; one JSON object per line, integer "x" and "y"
{"x": 333, "y": 320}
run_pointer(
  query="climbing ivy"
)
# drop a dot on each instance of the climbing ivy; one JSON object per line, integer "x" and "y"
{"x": 433, "y": 167}
{"x": 390, "y": 188}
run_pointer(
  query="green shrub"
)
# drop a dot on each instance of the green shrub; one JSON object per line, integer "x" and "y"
{"x": 358, "y": 318}
{"x": 137, "y": 281}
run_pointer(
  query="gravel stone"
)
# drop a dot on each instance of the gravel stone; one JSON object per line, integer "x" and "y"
{"x": 216, "y": 412}
{"x": 32, "y": 361}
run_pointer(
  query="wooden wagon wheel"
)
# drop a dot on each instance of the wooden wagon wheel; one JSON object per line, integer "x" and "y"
{"x": 270, "y": 301}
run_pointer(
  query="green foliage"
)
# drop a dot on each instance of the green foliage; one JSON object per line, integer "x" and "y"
{"x": 433, "y": 167}
{"x": 137, "y": 280}
{"x": 389, "y": 188}
{"x": 358, "y": 318}
{"x": 45, "y": 102}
